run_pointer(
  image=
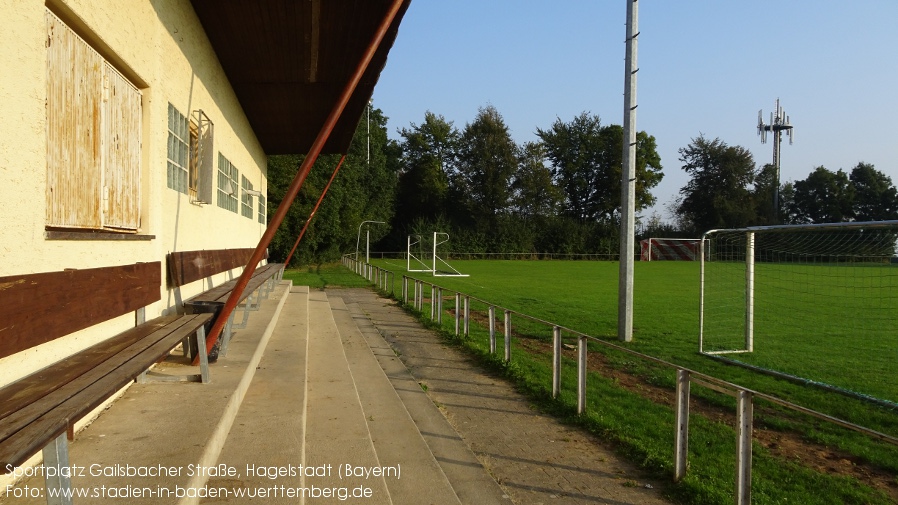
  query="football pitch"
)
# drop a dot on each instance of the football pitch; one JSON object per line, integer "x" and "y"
{"x": 832, "y": 332}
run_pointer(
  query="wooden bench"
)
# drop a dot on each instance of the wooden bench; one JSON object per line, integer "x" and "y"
{"x": 40, "y": 410}
{"x": 185, "y": 267}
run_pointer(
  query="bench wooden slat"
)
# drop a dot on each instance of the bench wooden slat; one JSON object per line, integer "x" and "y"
{"x": 222, "y": 292}
{"x": 26, "y": 431}
{"x": 38, "y": 308}
{"x": 185, "y": 267}
{"x": 45, "y": 381}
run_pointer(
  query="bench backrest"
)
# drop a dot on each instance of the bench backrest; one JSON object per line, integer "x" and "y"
{"x": 38, "y": 308}
{"x": 185, "y": 267}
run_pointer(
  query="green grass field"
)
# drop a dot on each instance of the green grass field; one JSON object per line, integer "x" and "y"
{"x": 583, "y": 296}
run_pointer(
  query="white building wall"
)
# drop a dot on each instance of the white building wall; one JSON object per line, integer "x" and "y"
{"x": 161, "y": 47}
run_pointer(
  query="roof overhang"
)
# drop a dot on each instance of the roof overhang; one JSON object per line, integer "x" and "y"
{"x": 288, "y": 61}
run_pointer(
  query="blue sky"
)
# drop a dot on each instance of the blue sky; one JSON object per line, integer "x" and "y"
{"x": 706, "y": 67}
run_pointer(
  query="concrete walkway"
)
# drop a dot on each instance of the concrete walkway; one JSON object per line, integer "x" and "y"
{"x": 337, "y": 397}
{"x": 535, "y": 458}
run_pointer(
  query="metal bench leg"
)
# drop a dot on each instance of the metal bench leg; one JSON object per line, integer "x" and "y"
{"x": 226, "y": 336}
{"x": 56, "y": 455}
{"x": 200, "y": 337}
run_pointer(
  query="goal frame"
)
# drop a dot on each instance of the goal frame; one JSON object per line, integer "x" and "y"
{"x": 409, "y": 256}
{"x": 437, "y": 273}
{"x": 750, "y": 270}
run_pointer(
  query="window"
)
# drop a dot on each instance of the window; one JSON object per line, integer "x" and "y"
{"x": 227, "y": 184}
{"x": 246, "y": 199}
{"x": 179, "y": 138}
{"x": 190, "y": 154}
{"x": 263, "y": 210}
{"x": 93, "y": 137}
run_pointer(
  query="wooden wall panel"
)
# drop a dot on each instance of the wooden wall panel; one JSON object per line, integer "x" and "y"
{"x": 38, "y": 308}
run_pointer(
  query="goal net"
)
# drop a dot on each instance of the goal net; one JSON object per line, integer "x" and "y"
{"x": 677, "y": 249}
{"x": 815, "y": 302}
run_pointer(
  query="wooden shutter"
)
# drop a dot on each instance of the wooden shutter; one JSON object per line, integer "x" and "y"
{"x": 121, "y": 161}
{"x": 93, "y": 137}
{"x": 74, "y": 112}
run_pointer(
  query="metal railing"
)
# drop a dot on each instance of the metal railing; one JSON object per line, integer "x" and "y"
{"x": 685, "y": 377}
{"x": 382, "y": 278}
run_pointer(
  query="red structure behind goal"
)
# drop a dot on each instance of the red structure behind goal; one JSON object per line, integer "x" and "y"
{"x": 676, "y": 249}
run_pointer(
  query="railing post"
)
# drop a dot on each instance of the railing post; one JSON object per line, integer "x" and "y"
{"x": 581, "y": 374}
{"x": 405, "y": 290}
{"x": 681, "y": 446}
{"x": 744, "y": 416}
{"x": 492, "y": 324}
{"x": 467, "y": 316}
{"x": 507, "y": 335}
{"x": 433, "y": 302}
{"x": 556, "y": 361}
{"x": 457, "y": 311}
{"x": 440, "y": 306}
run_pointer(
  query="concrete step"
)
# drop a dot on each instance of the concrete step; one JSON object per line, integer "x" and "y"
{"x": 265, "y": 443}
{"x": 470, "y": 481}
{"x": 337, "y": 434}
{"x": 395, "y": 436}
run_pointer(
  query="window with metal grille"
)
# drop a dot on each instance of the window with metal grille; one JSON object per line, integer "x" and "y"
{"x": 246, "y": 199}
{"x": 263, "y": 210}
{"x": 180, "y": 137}
{"x": 93, "y": 137}
{"x": 227, "y": 184}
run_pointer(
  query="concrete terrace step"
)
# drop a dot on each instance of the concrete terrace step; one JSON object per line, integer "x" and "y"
{"x": 395, "y": 436}
{"x": 469, "y": 480}
{"x": 336, "y": 428}
{"x": 268, "y": 432}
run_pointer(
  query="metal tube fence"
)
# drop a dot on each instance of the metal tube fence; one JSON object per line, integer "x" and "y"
{"x": 685, "y": 377}
{"x": 383, "y": 279}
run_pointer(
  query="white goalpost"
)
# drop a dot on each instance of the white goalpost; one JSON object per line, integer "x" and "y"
{"x": 815, "y": 302}
{"x": 449, "y": 270}
{"x": 420, "y": 265}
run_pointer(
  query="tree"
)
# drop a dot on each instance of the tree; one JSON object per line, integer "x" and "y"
{"x": 824, "y": 197}
{"x": 487, "y": 161}
{"x": 717, "y": 195}
{"x": 429, "y": 152}
{"x": 586, "y": 164}
{"x": 875, "y": 198}
{"x": 534, "y": 193}
{"x": 362, "y": 190}
{"x": 765, "y": 186}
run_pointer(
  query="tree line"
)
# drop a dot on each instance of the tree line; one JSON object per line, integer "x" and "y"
{"x": 559, "y": 194}
{"x": 727, "y": 190}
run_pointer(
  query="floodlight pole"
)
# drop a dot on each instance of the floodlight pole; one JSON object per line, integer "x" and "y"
{"x": 628, "y": 182}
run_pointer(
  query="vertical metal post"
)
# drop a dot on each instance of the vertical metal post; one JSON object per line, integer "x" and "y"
{"x": 556, "y": 361}
{"x": 56, "y": 455}
{"x": 467, "y": 316}
{"x": 440, "y": 306}
{"x": 367, "y": 245}
{"x": 405, "y": 290}
{"x": 743, "y": 466}
{"x": 628, "y": 183}
{"x": 581, "y": 375}
{"x": 507, "y": 335}
{"x": 681, "y": 446}
{"x": 701, "y": 297}
{"x": 457, "y": 311}
{"x": 433, "y": 302}
{"x": 492, "y": 324}
{"x": 750, "y": 291}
